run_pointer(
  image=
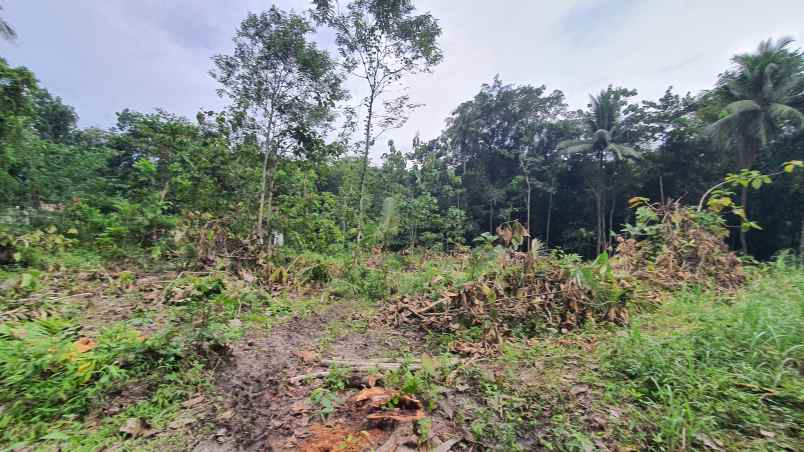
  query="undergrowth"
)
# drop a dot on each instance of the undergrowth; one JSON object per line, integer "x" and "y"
{"x": 708, "y": 369}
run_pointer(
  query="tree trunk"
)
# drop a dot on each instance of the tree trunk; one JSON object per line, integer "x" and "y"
{"x": 270, "y": 208}
{"x": 549, "y": 218}
{"x": 801, "y": 244}
{"x": 598, "y": 219}
{"x": 601, "y": 205}
{"x": 364, "y": 170}
{"x": 744, "y": 202}
{"x": 527, "y": 215}
{"x": 491, "y": 217}
{"x": 163, "y": 193}
{"x": 268, "y": 150}
{"x": 261, "y": 208}
{"x": 611, "y": 222}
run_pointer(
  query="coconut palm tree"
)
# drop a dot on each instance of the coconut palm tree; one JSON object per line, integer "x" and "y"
{"x": 761, "y": 95}
{"x": 6, "y": 31}
{"x": 605, "y": 143}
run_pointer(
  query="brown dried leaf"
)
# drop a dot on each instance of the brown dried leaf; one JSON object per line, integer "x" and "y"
{"x": 194, "y": 401}
{"x": 397, "y": 415}
{"x": 84, "y": 344}
{"x": 307, "y": 356}
{"x": 376, "y": 396}
{"x": 137, "y": 428}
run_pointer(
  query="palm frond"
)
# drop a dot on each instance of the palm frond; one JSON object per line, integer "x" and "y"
{"x": 742, "y": 106}
{"x": 771, "y": 46}
{"x": 724, "y": 129}
{"x": 570, "y": 147}
{"x": 568, "y": 143}
{"x": 788, "y": 89}
{"x": 622, "y": 152}
{"x": 781, "y": 113}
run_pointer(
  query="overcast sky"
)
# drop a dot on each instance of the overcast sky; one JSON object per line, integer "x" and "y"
{"x": 102, "y": 56}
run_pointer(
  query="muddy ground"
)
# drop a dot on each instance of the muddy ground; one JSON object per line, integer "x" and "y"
{"x": 269, "y": 406}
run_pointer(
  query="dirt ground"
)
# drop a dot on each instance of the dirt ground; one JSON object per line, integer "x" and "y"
{"x": 269, "y": 408}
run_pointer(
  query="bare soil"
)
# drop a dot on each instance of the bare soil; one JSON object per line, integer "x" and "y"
{"x": 272, "y": 413}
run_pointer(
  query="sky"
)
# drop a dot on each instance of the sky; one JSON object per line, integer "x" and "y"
{"x": 102, "y": 56}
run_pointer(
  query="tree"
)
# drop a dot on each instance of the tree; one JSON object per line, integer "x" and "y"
{"x": 542, "y": 162}
{"x": 282, "y": 89}
{"x": 162, "y": 140}
{"x": 496, "y": 141}
{"x": 55, "y": 120}
{"x": 381, "y": 41}
{"x": 17, "y": 86}
{"x": 604, "y": 143}
{"x": 6, "y": 31}
{"x": 761, "y": 95}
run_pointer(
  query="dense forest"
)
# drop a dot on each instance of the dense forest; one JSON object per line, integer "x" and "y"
{"x": 293, "y": 197}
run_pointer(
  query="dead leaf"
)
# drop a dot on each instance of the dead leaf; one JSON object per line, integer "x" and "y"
{"x": 300, "y": 406}
{"x": 767, "y": 434}
{"x": 376, "y": 396}
{"x": 193, "y": 402}
{"x": 409, "y": 410}
{"x": 397, "y": 415}
{"x": 447, "y": 445}
{"x": 181, "y": 422}
{"x": 84, "y": 344}
{"x": 307, "y": 356}
{"x": 599, "y": 421}
{"x": 226, "y": 415}
{"x": 709, "y": 442}
{"x": 579, "y": 389}
{"x": 247, "y": 277}
{"x": 137, "y": 428}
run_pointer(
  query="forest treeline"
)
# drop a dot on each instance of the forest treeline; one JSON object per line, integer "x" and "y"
{"x": 291, "y": 153}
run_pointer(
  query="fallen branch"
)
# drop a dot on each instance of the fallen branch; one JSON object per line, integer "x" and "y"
{"x": 364, "y": 364}
{"x": 299, "y": 378}
{"x": 354, "y": 366}
{"x": 78, "y": 295}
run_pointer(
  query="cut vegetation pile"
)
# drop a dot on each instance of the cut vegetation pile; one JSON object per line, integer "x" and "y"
{"x": 671, "y": 246}
{"x": 525, "y": 294}
{"x": 525, "y": 297}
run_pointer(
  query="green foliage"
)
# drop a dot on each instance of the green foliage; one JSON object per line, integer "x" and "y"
{"x": 30, "y": 248}
{"x": 134, "y": 224}
{"x": 728, "y": 365}
{"x": 46, "y": 374}
{"x": 362, "y": 281}
{"x": 309, "y": 219}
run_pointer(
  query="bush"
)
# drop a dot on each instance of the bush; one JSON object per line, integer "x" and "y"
{"x": 29, "y": 248}
{"x": 48, "y": 372}
{"x": 133, "y": 224}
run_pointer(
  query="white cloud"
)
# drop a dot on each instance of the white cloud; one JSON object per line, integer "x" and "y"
{"x": 105, "y": 55}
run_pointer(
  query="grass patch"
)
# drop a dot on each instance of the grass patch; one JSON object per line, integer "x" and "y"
{"x": 709, "y": 369}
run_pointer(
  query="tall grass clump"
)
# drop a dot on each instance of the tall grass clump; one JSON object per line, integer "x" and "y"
{"x": 709, "y": 366}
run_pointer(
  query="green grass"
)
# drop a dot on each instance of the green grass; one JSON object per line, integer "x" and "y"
{"x": 718, "y": 369}
{"x": 49, "y": 382}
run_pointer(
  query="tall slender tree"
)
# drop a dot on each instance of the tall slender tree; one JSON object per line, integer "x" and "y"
{"x": 605, "y": 144}
{"x": 281, "y": 86}
{"x": 380, "y": 42}
{"x": 761, "y": 95}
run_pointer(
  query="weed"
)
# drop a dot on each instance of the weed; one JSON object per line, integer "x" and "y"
{"x": 325, "y": 397}
{"x": 731, "y": 369}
